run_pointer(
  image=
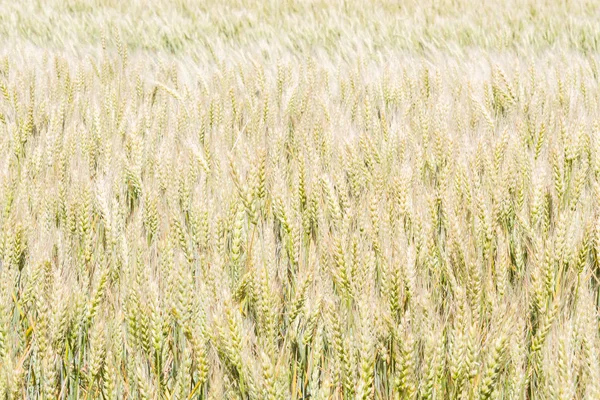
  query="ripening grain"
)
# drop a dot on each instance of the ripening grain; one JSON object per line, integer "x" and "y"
{"x": 299, "y": 200}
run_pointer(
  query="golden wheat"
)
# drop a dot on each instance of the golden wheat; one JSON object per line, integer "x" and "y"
{"x": 300, "y": 199}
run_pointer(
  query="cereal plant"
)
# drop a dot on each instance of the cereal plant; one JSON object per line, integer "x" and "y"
{"x": 303, "y": 199}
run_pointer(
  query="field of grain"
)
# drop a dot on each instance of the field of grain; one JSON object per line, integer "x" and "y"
{"x": 299, "y": 199}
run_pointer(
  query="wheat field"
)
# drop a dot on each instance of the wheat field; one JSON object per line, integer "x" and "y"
{"x": 299, "y": 199}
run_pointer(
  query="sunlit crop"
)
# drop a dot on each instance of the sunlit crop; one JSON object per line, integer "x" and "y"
{"x": 299, "y": 200}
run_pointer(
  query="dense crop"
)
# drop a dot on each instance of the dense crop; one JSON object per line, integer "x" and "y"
{"x": 339, "y": 200}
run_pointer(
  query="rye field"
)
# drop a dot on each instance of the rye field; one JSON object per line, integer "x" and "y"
{"x": 299, "y": 199}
